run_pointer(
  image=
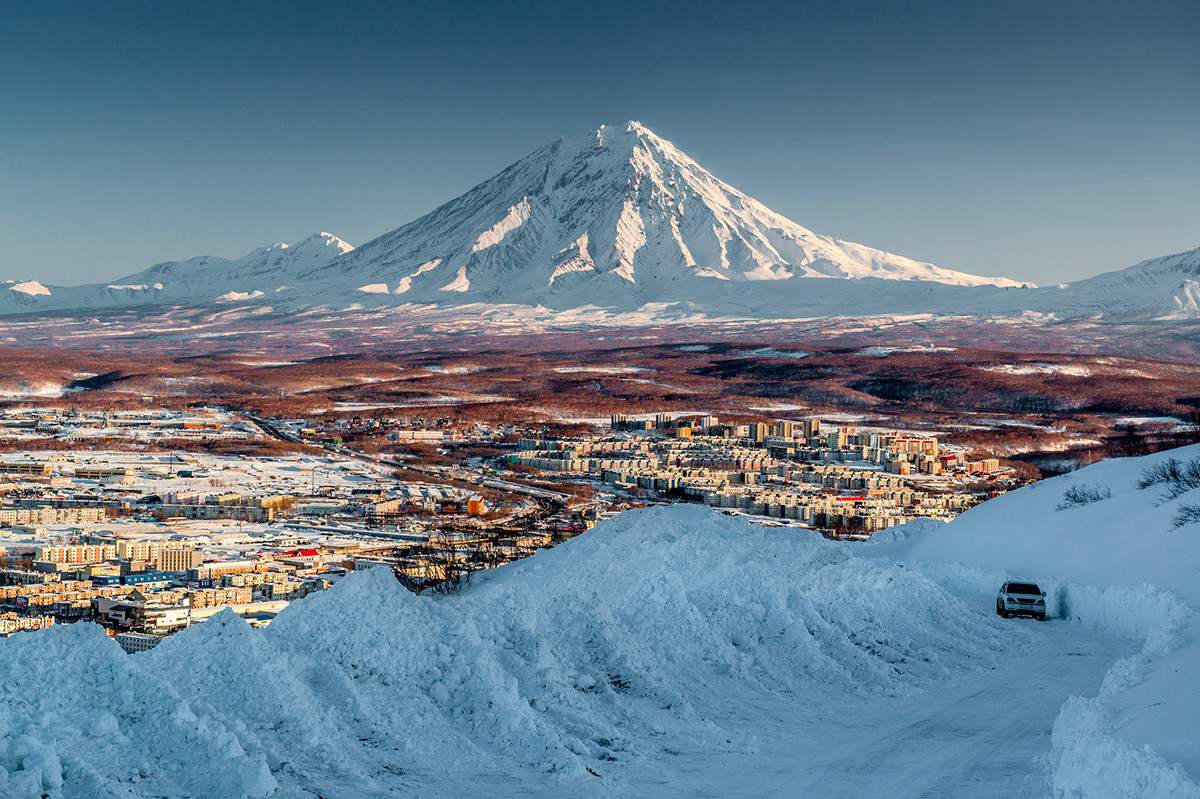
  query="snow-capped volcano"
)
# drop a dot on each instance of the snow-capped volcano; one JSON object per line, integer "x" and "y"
{"x": 619, "y": 220}
{"x": 619, "y": 216}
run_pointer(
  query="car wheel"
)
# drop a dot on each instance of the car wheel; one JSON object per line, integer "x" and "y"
{"x": 1040, "y": 617}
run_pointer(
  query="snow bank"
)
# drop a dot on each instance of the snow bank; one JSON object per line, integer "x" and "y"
{"x": 675, "y": 629}
{"x": 81, "y": 718}
{"x": 653, "y": 630}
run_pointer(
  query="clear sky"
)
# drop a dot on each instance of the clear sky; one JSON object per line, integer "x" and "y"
{"x": 1043, "y": 141}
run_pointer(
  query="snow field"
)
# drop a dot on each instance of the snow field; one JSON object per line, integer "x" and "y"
{"x": 81, "y": 718}
{"x": 572, "y": 661}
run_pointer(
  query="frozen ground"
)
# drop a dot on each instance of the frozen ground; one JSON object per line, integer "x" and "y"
{"x": 669, "y": 652}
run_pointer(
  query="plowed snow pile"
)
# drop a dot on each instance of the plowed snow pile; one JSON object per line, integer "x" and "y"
{"x": 656, "y": 632}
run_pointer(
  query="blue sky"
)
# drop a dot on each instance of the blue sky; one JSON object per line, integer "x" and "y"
{"x": 1043, "y": 141}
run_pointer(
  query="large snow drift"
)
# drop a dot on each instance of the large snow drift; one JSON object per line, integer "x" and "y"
{"x": 615, "y": 649}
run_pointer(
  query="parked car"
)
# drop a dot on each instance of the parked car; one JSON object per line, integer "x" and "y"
{"x": 1021, "y": 599}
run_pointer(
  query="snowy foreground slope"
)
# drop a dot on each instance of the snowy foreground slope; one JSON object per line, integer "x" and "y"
{"x": 1108, "y": 552}
{"x": 667, "y": 652}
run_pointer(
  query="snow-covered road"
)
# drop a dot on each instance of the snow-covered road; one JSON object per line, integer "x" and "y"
{"x": 981, "y": 738}
{"x": 985, "y": 736}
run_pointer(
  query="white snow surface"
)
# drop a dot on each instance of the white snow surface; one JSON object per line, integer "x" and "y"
{"x": 31, "y": 288}
{"x": 1039, "y": 369}
{"x": 670, "y": 651}
{"x": 201, "y": 280}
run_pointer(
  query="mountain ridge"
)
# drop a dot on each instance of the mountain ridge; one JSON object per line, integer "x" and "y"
{"x": 620, "y": 220}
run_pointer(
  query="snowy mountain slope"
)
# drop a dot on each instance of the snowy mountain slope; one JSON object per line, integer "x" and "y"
{"x": 664, "y": 652}
{"x": 202, "y": 280}
{"x": 620, "y": 216}
{"x": 1106, "y": 547}
{"x": 1166, "y": 288}
{"x": 276, "y": 264}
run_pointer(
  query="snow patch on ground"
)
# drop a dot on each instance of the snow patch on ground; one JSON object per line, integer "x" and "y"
{"x": 883, "y": 352}
{"x": 1039, "y": 369}
{"x": 604, "y": 370}
{"x": 771, "y": 352}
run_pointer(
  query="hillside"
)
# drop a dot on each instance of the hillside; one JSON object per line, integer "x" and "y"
{"x": 1103, "y": 542}
{"x": 206, "y": 280}
{"x": 667, "y": 651}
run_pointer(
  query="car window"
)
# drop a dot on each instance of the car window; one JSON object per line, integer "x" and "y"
{"x": 1023, "y": 588}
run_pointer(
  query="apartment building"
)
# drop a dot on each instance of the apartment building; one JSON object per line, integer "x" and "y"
{"x": 139, "y": 550}
{"x": 178, "y": 559}
{"x": 236, "y": 512}
{"x": 218, "y": 597}
{"x": 79, "y": 553}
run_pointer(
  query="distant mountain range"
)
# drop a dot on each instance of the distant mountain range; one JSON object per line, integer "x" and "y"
{"x": 619, "y": 220}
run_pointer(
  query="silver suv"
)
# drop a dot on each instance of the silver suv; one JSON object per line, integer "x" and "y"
{"x": 1021, "y": 599}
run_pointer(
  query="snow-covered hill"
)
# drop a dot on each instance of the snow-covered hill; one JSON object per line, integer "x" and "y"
{"x": 1117, "y": 545}
{"x": 1166, "y": 288}
{"x": 670, "y": 651}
